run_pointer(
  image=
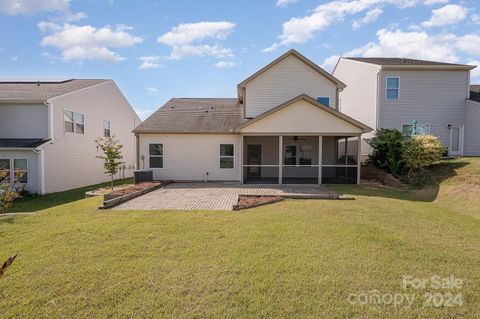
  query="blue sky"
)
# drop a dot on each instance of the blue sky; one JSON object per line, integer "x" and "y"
{"x": 156, "y": 50}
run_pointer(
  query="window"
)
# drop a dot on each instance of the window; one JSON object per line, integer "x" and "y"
{"x": 155, "y": 152}
{"x": 79, "y": 123}
{"x": 106, "y": 128}
{"x": 226, "y": 156}
{"x": 422, "y": 129}
{"x": 393, "y": 86}
{"x": 4, "y": 169}
{"x": 306, "y": 154}
{"x": 324, "y": 100}
{"x": 290, "y": 156}
{"x": 68, "y": 121}
{"x": 20, "y": 166}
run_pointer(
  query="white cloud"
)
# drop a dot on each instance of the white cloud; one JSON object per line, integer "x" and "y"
{"x": 430, "y": 2}
{"x": 225, "y": 64}
{"x": 476, "y": 19}
{"x": 87, "y": 42}
{"x": 475, "y": 73}
{"x": 302, "y": 29}
{"x": 152, "y": 90}
{"x": 188, "y": 39}
{"x": 150, "y": 62}
{"x": 445, "y": 47}
{"x": 330, "y": 62}
{"x": 31, "y": 7}
{"x": 447, "y": 15}
{"x": 371, "y": 16}
{"x": 284, "y": 3}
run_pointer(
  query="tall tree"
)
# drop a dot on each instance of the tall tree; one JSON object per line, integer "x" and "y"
{"x": 112, "y": 155}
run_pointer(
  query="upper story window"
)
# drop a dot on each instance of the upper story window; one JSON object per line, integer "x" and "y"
{"x": 393, "y": 88}
{"x": 106, "y": 128}
{"x": 73, "y": 122}
{"x": 226, "y": 155}
{"x": 155, "y": 155}
{"x": 68, "y": 121}
{"x": 324, "y": 100}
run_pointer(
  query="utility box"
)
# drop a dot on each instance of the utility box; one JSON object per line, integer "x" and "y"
{"x": 143, "y": 175}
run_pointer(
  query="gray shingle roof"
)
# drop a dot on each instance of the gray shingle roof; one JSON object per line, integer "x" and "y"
{"x": 402, "y": 61}
{"x": 195, "y": 115}
{"x": 11, "y": 91}
{"x": 475, "y": 93}
{"x": 22, "y": 142}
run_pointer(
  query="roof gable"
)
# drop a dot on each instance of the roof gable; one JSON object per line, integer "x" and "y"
{"x": 308, "y": 115}
{"x": 302, "y": 58}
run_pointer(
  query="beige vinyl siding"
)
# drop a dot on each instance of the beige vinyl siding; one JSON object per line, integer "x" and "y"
{"x": 70, "y": 160}
{"x": 33, "y": 167}
{"x": 430, "y": 97}
{"x": 359, "y": 99}
{"x": 23, "y": 121}
{"x": 284, "y": 81}
{"x": 187, "y": 157}
{"x": 472, "y": 129}
{"x": 301, "y": 116}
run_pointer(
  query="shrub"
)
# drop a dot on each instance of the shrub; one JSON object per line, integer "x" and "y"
{"x": 419, "y": 152}
{"x": 8, "y": 193}
{"x": 387, "y": 150}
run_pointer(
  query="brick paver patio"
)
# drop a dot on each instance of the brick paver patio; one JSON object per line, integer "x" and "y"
{"x": 200, "y": 196}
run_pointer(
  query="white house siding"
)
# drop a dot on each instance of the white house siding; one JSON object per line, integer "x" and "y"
{"x": 33, "y": 167}
{"x": 23, "y": 121}
{"x": 472, "y": 129}
{"x": 304, "y": 117}
{"x": 70, "y": 160}
{"x": 284, "y": 81}
{"x": 436, "y": 98}
{"x": 359, "y": 99}
{"x": 187, "y": 157}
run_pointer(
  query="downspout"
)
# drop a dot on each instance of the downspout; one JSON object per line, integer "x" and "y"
{"x": 41, "y": 156}
{"x": 49, "y": 105}
{"x": 137, "y": 151}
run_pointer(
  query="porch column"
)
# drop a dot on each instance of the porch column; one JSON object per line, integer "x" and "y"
{"x": 280, "y": 158}
{"x": 241, "y": 159}
{"x": 320, "y": 158}
{"x": 358, "y": 158}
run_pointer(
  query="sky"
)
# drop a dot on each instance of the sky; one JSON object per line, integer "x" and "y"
{"x": 156, "y": 50}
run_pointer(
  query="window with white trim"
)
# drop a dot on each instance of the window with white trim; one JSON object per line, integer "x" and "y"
{"x": 422, "y": 129}
{"x": 4, "y": 169}
{"x": 227, "y": 157}
{"x": 68, "y": 120}
{"x": 393, "y": 88}
{"x": 79, "y": 123}
{"x": 106, "y": 128}
{"x": 20, "y": 167}
{"x": 155, "y": 155}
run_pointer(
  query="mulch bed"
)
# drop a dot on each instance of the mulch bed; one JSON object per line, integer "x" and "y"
{"x": 134, "y": 188}
{"x": 250, "y": 201}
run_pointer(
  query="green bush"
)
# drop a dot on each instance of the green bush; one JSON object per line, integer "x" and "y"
{"x": 419, "y": 152}
{"x": 387, "y": 150}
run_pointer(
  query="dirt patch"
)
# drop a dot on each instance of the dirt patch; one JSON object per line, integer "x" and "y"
{"x": 250, "y": 201}
{"x": 374, "y": 174}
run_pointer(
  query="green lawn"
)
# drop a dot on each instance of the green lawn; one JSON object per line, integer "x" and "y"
{"x": 293, "y": 259}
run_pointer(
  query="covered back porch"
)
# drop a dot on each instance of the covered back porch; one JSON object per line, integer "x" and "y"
{"x": 300, "y": 159}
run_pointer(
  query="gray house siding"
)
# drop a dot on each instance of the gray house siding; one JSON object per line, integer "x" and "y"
{"x": 472, "y": 129}
{"x": 23, "y": 121}
{"x": 436, "y": 98}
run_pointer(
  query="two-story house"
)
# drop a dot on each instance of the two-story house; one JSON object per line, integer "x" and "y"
{"x": 283, "y": 127}
{"x": 48, "y": 128}
{"x": 395, "y": 92}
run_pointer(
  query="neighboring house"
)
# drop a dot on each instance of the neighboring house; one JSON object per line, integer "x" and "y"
{"x": 393, "y": 92}
{"x": 48, "y": 128}
{"x": 283, "y": 127}
{"x": 472, "y": 123}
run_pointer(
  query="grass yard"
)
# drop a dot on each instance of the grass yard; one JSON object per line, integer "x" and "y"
{"x": 293, "y": 259}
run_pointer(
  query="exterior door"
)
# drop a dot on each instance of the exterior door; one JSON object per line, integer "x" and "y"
{"x": 254, "y": 157}
{"x": 456, "y": 140}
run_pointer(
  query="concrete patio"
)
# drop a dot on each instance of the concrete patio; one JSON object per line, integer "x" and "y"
{"x": 217, "y": 196}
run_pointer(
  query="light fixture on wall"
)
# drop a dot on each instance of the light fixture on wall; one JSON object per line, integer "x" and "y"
{"x": 449, "y": 126}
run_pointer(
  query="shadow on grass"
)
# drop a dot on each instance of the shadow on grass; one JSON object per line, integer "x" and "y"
{"x": 426, "y": 190}
{"x": 33, "y": 203}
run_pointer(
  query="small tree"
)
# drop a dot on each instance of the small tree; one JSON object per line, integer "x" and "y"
{"x": 8, "y": 193}
{"x": 387, "y": 150}
{"x": 419, "y": 152}
{"x": 112, "y": 155}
